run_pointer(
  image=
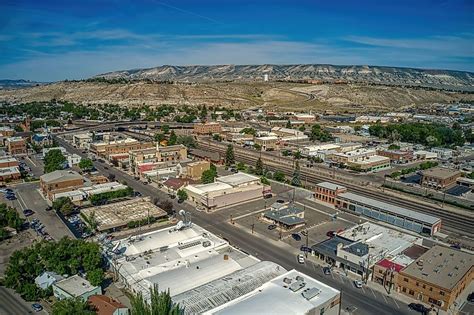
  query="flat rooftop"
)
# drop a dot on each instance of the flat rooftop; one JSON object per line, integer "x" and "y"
{"x": 178, "y": 260}
{"x": 330, "y": 186}
{"x": 282, "y": 295}
{"x": 237, "y": 179}
{"x": 4, "y": 171}
{"x": 389, "y": 208}
{"x": 75, "y": 285}
{"x": 372, "y": 159}
{"x": 120, "y": 213}
{"x": 380, "y": 240}
{"x": 207, "y": 188}
{"x": 441, "y": 266}
{"x": 440, "y": 172}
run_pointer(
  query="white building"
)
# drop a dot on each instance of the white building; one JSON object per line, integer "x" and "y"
{"x": 290, "y": 293}
{"x": 312, "y": 150}
{"x": 73, "y": 159}
{"x": 82, "y": 140}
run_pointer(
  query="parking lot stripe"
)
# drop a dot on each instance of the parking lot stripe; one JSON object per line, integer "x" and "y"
{"x": 373, "y": 292}
{"x": 395, "y": 301}
{"x": 383, "y": 295}
{"x": 23, "y": 207}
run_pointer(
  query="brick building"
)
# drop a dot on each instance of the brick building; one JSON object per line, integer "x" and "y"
{"x": 327, "y": 192}
{"x": 396, "y": 156}
{"x": 105, "y": 149}
{"x": 60, "y": 181}
{"x": 439, "y": 177}
{"x": 8, "y": 162}
{"x": 207, "y": 128}
{"x": 194, "y": 170}
{"x": 16, "y": 145}
{"x": 437, "y": 277}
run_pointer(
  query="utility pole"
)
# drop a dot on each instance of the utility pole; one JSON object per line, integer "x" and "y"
{"x": 253, "y": 224}
{"x": 306, "y": 251}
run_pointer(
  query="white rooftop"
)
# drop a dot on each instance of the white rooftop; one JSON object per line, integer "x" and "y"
{"x": 75, "y": 285}
{"x": 267, "y": 138}
{"x": 330, "y": 186}
{"x": 372, "y": 159}
{"x": 178, "y": 260}
{"x": 279, "y": 297}
{"x": 9, "y": 171}
{"x": 207, "y": 188}
{"x": 237, "y": 179}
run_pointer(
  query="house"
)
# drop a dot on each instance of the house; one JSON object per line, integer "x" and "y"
{"x": 47, "y": 279}
{"x": 60, "y": 181}
{"x": 105, "y": 305}
{"x": 175, "y": 184}
{"x": 75, "y": 287}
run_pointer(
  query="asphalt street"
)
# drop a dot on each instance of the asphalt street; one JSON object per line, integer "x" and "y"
{"x": 367, "y": 301}
{"x": 12, "y": 304}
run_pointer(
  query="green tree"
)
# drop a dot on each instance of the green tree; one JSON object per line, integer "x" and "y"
{"x": 317, "y": 133}
{"x": 297, "y": 155}
{"x": 63, "y": 205}
{"x": 279, "y": 176}
{"x": 257, "y": 146}
{"x": 74, "y": 306}
{"x": 240, "y": 166}
{"x": 96, "y": 276}
{"x": 295, "y": 180}
{"x": 86, "y": 164}
{"x": 54, "y": 160}
{"x": 264, "y": 180}
{"x": 160, "y": 137}
{"x": 208, "y": 176}
{"x": 182, "y": 194}
{"x": 302, "y": 128}
{"x": 173, "y": 138}
{"x": 187, "y": 141}
{"x": 229, "y": 155}
{"x": 249, "y": 131}
{"x": 160, "y": 304}
{"x": 165, "y": 129}
{"x": 394, "y": 147}
{"x": 216, "y": 137}
{"x": 288, "y": 124}
{"x": 259, "y": 167}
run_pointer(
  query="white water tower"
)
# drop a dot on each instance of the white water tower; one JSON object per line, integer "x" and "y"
{"x": 265, "y": 77}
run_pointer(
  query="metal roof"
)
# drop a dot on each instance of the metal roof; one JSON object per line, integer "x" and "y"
{"x": 60, "y": 175}
{"x": 287, "y": 216}
{"x": 390, "y": 208}
{"x": 330, "y": 186}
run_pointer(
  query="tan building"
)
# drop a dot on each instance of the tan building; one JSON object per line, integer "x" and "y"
{"x": 437, "y": 277}
{"x": 9, "y": 173}
{"x": 105, "y": 149}
{"x": 16, "y": 145}
{"x": 327, "y": 192}
{"x": 370, "y": 164}
{"x": 60, "y": 181}
{"x": 194, "y": 170}
{"x": 439, "y": 177}
{"x": 207, "y": 128}
{"x": 172, "y": 153}
{"x": 306, "y": 118}
{"x": 268, "y": 143}
{"x": 397, "y": 156}
{"x": 6, "y": 131}
{"x": 138, "y": 157}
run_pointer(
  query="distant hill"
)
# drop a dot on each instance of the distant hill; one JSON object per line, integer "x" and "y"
{"x": 446, "y": 79}
{"x": 11, "y": 84}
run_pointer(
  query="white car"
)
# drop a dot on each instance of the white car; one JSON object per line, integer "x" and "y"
{"x": 358, "y": 284}
{"x": 300, "y": 258}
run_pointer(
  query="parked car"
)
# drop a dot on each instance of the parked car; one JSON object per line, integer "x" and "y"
{"x": 296, "y": 236}
{"x": 418, "y": 307}
{"x": 11, "y": 197}
{"x": 470, "y": 297}
{"x": 106, "y": 168}
{"x": 327, "y": 270}
{"x": 305, "y": 249}
{"x": 330, "y": 233}
{"x": 49, "y": 208}
{"x": 28, "y": 212}
{"x": 300, "y": 258}
{"x": 358, "y": 284}
{"x": 267, "y": 196}
{"x": 36, "y": 307}
{"x": 272, "y": 227}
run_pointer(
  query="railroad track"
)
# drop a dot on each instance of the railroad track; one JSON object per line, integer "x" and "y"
{"x": 451, "y": 221}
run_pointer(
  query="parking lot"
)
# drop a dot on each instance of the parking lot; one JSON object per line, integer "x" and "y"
{"x": 28, "y": 197}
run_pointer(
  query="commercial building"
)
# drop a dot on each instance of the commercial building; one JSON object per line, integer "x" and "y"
{"x": 382, "y": 211}
{"x": 171, "y": 154}
{"x": 207, "y": 128}
{"x": 397, "y": 156}
{"x": 9, "y": 173}
{"x": 327, "y": 192}
{"x": 213, "y": 157}
{"x": 290, "y": 293}
{"x": 73, "y": 159}
{"x": 437, "y": 277}
{"x": 439, "y": 177}
{"x": 289, "y": 135}
{"x": 194, "y": 170}
{"x": 8, "y": 162}
{"x": 351, "y": 156}
{"x": 268, "y": 143}
{"x": 105, "y": 149}
{"x": 359, "y": 248}
{"x": 82, "y": 140}
{"x": 286, "y": 218}
{"x": 306, "y": 118}
{"x": 105, "y": 305}
{"x": 75, "y": 287}
{"x": 6, "y": 131}
{"x": 370, "y": 164}
{"x": 16, "y": 145}
{"x": 60, "y": 181}
{"x": 312, "y": 150}
{"x": 226, "y": 191}
{"x": 118, "y": 214}
{"x": 424, "y": 155}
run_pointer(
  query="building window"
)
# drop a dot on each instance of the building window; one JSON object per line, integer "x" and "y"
{"x": 405, "y": 279}
{"x": 431, "y": 289}
{"x": 411, "y": 292}
{"x": 441, "y": 293}
{"x": 404, "y": 289}
{"x": 417, "y": 284}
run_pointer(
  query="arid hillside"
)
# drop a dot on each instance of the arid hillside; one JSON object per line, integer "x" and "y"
{"x": 271, "y": 95}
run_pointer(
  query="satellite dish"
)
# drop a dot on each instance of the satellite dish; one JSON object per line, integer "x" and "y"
{"x": 182, "y": 212}
{"x": 180, "y": 225}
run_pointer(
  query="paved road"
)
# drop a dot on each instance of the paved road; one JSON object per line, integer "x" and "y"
{"x": 12, "y": 304}
{"x": 367, "y": 302}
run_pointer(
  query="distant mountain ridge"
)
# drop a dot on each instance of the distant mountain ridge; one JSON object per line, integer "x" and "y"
{"x": 9, "y": 84}
{"x": 370, "y": 74}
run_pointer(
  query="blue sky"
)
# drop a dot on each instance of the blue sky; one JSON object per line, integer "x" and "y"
{"x": 55, "y": 40}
